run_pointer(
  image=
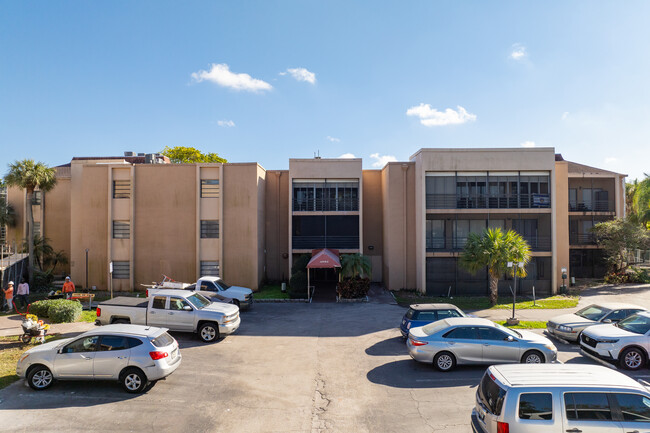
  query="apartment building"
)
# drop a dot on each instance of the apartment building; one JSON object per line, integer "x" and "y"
{"x": 248, "y": 225}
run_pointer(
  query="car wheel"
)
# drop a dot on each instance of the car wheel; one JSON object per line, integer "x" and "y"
{"x": 40, "y": 378}
{"x": 25, "y": 338}
{"x": 209, "y": 332}
{"x": 532, "y": 357}
{"x": 133, "y": 380}
{"x": 235, "y": 302}
{"x": 444, "y": 361}
{"x": 632, "y": 359}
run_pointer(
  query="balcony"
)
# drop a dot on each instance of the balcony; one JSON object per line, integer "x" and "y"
{"x": 313, "y": 242}
{"x": 439, "y": 243}
{"x": 582, "y": 239}
{"x": 590, "y": 206}
{"x": 326, "y": 204}
{"x": 488, "y": 201}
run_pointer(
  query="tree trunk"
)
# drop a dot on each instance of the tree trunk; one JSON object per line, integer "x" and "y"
{"x": 30, "y": 237}
{"x": 494, "y": 289}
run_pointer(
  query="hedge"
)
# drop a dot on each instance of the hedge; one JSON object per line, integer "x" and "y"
{"x": 57, "y": 310}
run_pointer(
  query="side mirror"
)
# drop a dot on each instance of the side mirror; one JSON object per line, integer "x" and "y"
{"x": 510, "y": 338}
{"x": 187, "y": 308}
{"x": 607, "y": 321}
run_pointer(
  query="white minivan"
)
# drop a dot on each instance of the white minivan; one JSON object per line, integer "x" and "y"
{"x": 554, "y": 398}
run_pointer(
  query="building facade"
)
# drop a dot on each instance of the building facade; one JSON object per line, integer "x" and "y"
{"x": 150, "y": 218}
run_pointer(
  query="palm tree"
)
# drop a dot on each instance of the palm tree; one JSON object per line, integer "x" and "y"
{"x": 29, "y": 175}
{"x": 7, "y": 214}
{"x": 493, "y": 249}
{"x": 42, "y": 250}
{"x": 355, "y": 265}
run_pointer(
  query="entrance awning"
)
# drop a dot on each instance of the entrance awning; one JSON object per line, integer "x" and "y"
{"x": 324, "y": 258}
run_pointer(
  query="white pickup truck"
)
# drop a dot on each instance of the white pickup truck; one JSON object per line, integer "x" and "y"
{"x": 177, "y": 310}
{"x": 241, "y": 296}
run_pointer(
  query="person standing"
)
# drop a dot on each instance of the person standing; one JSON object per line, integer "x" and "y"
{"x": 22, "y": 293}
{"x": 9, "y": 295}
{"x": 68, "y": 288}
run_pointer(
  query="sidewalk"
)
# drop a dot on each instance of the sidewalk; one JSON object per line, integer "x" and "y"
{"x": 10, "y": 325}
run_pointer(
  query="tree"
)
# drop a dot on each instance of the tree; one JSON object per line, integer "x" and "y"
{"x": 181, "y": 154}
{"x": 493, "y": 249}
{"x": 619, "y": 238}
{"x": 7, "y": 214}
{"x": 355, "y": 265}
{"x": 29, "y": 175}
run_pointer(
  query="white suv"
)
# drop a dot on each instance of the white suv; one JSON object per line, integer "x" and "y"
{"x": 555, "y": 398}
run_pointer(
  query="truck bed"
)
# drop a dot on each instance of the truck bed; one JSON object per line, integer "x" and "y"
{"x": 126, "y": 301}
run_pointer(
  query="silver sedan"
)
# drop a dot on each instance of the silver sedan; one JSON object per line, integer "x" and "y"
{"x": 464, "y": 340}
{"x": 131, "y": 354}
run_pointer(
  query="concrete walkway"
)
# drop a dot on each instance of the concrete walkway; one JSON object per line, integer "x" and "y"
{"x": 10, "y": 326}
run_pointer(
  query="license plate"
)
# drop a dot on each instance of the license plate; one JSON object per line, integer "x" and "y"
{"x": 174, "y": 353}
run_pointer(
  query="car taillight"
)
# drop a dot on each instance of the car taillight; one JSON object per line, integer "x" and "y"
{"x": 158, "y": 355}
{"x": 503, "y": 427}
{"x": 418, "y": 343}
{"x": 99, "y": 311}
{"x": 146, "y": 293}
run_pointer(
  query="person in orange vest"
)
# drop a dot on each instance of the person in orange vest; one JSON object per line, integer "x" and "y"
{"x": 68, "y": 288}
{"x": 9, "y": 295}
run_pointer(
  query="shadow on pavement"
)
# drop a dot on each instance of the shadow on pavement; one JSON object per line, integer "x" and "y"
{"x": 407, "y": 373}
{"x": 391, "y": 347}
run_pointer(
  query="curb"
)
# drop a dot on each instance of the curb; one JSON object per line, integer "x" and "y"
{"x": 279, "y": 301}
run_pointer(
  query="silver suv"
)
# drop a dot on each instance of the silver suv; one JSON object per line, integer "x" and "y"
{"x": 554, "y": 398}
{"x": 130, "y": 354}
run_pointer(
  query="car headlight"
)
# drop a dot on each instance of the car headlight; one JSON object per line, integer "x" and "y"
{"x": 565, "y": 328}
{"x": 551, "y": 347}
{"x": 607, "y": 340}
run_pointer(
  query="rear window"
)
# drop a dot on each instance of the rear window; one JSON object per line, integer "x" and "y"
{"x": 491, "y": 394}
{"x": 163, "y": 340}
{"x": 434, "y": 327}
{"x": 536, "y": 406}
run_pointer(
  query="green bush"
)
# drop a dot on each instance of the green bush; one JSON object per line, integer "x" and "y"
{"x": 57, "y": 310}
{"x": 353, "y": 288}
{"x": 631, "y": 275}
{"x": 298, "y": 281}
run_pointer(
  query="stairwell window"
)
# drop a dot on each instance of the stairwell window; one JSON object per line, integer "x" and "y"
{"x": 209, "y": 229}
{"x": 121, "y": 189}
{"x": 209, "y": 188}
{"x": 121, "y": 229}
{"x": 37, "y": 198}
{"x": 209, "y": 269}
{"x": 121, "y": 270}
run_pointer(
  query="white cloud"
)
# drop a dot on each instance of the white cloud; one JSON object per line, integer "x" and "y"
{"x": 301, "y": 74}
{"x": 518, "y": 52}
{"x": 226, "y": 123}
{"x": 381, "y": 160}
{"x": 347, "y": 156}
{"x": 528, "y": 144}
{"x": 611, "y": 160}
{"x": 565, "y": 115}
{"x": 221, "y": 75}
{"x": 432, "y": 117}
{"x": 333, "y": 139}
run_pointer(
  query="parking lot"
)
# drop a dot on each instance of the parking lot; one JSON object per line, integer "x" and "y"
{"x": 289, "y": 368}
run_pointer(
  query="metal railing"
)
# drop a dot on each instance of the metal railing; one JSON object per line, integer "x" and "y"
{"x": 439, "y": 243}
{"x": 312, "y": 242}
{"x": 582, "y": 239}
{"x": 326, "y": 204}
{"x": 590, "y": 206}
{"x": 488, "y": 201}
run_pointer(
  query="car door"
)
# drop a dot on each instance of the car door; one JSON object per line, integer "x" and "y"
{"x": 497, "y": 347}
{"x": 111, "y": 357}
{"x": 635, "y": 411}
{"x": 464, "y": 343}
{"x": 157, "y": 313}
{"x": 76, "y": 358}
{"x": 180, "y": 319}
{"x": 590, "y": 412}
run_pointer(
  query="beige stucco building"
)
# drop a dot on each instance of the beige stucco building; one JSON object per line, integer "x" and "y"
{"x": 246, "y": 224}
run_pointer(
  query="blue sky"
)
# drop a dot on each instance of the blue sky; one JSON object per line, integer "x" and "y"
{"x": 271, "y": 80}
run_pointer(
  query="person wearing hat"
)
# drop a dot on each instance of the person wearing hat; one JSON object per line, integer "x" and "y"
{"x": 9, "y": 295}
{"x": 68, "y": 288}
{"x": 22, "y": 292}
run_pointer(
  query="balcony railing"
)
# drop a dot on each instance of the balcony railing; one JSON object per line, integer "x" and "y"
{"x": 488, "y": 201}
{"x": 582, "y": 239}
{"x": 439, "y": 243}
{"x": 590, "y": 206}
{"x": 312, "y": 242}
{"x": 326, "y": 204}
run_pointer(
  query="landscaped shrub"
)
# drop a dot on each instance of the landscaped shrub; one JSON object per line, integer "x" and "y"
{"x": 351, "y": 288}
{"x": 298, "y": 282}
{"x": 57, "y": 310}
{"x": 631, "y": 275}
{"x": 42, "y": 280}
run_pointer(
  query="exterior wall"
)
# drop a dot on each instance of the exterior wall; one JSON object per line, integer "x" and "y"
{"x": 277, "y": 226}
{"x": 56, "y": 218}
{"x": 373, "y": 221}
{"x": 16, "y": 234}
{"x": 561, "y": 241}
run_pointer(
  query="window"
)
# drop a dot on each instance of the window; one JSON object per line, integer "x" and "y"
{"x": 86, "y": 344}
{"x": 635, "y": 407}
{"x": 209, "y": 228}
{"x": 443, "y": 314}
{"x": 209, "y": 286}
{"x": 428, "y": 316}
{"x": 121, "y": 189}
{"x": 121, "y": 270}
{"x": 491, "y": 394}
{"x": 177, "y": 304}
{"x": 163, "y": 340}
{"x": 133, "y": 342}
{"x": 37, "y": 198}
{"x": 209, "y": 269}
{"x": 491, "y": 334}
{"x": 536, "y": 406}
{"x": 121, "y": 229}
{"x": 159, "y": 302}
{"x": 616, "y": 315}
{"x": 37, "y": 229}
{"x": 209, "y": 188}
{"x": 113, "y": 342}
{"x": 462, "y": 333}
{"x": 326, "y": 196}
{"x": 587, "y": 406}
{"x": 435, "y": 234}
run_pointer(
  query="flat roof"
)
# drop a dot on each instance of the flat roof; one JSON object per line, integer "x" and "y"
{"x": 483, "y": 149}
{"x": 553, "y": 375}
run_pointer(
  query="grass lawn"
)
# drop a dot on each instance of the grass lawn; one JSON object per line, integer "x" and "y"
{"x": 88, "y": 316}
{"x": 483, "y": 303}
{"x": 525, "y": 324}
{"x": 10, "y": 351}
{"x": 273, "y": 291}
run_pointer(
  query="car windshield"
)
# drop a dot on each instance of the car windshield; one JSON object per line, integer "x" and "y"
{"x": 636, "y": 323}
{"x": 434, "y": 327}
{"x": 198, "y": 300}
{"x": 222, "y": 284}
{"x": 509, "y": 331}
{"x": 593, "y": 312}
